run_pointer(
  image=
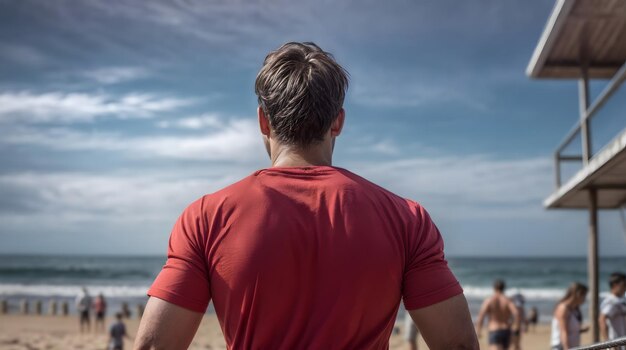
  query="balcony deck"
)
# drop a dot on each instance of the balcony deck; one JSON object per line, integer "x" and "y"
{"x": 605, "y": 172}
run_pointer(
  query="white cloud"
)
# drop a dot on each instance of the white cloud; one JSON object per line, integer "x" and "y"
{"x": 25, "y": 106}
{"x": 68, "y": 198}
{"x": 198, "y": 122}
{"x": 466, "y": 187}
{"x": 115, "y": 75}
{"x": 236, "y": 140}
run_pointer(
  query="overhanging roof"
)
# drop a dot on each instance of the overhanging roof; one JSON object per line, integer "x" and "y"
{"x": 581, "y": 30}
{"x": 606, "y": 172}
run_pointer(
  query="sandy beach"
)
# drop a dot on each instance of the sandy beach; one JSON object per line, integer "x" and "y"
{"x": 47, "y": 332}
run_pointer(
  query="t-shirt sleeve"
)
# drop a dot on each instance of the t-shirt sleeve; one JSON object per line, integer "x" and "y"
{"x": 427, "y": 278}
{"x": 608, "y": 307}
{"x": 184, "y": 279}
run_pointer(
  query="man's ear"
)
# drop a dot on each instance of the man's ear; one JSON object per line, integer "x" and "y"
{"x": 264, "y": 123}
{"x": 337, "y": 126}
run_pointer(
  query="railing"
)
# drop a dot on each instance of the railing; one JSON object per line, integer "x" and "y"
{"x": 604, "y": 345}
{"x": 587, "y": 112}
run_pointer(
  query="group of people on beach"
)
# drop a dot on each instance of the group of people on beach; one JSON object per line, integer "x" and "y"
{"x": 507, "y": 316}
{"x": 84, "y": 305}
{"x": 117, "y": 330}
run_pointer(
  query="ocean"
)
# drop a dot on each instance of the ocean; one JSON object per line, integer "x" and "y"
{"x": 542, "y": 281}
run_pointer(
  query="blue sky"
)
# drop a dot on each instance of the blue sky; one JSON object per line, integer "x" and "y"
{"x": 115, "y": 115}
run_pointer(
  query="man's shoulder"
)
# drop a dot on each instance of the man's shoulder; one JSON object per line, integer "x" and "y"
{"x": 238, "y": 188}
{"x": 374, "y": 187}
{"x": 491, "y": 300}
{"x": 610, "y": 301}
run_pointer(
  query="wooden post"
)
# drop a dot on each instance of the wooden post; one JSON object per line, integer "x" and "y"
{"x": 583, "y": 96}
{"x": 4, "y": 307}
{"x": 38, "y": 307}
{"x": 65, "y": 308}
{"x": 24, "y": 307}
{"x": 592, "y": 261}
{"x": 126, "y": 310}
{"x": 52, "y": 307}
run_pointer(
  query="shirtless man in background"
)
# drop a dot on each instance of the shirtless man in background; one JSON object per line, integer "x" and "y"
{"x": 502, "y": 314}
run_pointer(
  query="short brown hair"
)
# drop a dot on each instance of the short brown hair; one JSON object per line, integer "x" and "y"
{"x": 301, "y": 91}
{"x": 499, "y": 285}
{"x": 616, "y": 278}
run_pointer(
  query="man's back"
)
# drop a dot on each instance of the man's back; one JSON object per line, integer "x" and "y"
{"x": 306, "y": 257}
{"x": 499, "y": 311}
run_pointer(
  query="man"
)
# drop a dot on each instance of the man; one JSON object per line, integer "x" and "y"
{"x": 304, "y": 254}
{"x": 612, "y": 318}
{"x": 83, "y": 305}
{"x": 502, "y": 313}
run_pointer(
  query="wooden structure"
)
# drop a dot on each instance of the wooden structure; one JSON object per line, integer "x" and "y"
{"x": 583, "y": 40}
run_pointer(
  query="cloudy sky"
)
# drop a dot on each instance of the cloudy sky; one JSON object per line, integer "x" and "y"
{"x": 115, "y": 115}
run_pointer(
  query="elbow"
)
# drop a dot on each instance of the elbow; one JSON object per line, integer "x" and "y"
{"x": 142, "y": 346}
{"x": 469, "y": 342}
{"x": 472, "y": 345}
{"x": 146, "y": 347}
{"x": 146, "y": 344}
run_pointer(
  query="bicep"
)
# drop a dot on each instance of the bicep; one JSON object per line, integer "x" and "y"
{"x": 447, "y": 324}
{"x": 166, "y": 326}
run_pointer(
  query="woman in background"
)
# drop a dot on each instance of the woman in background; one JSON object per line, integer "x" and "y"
{"x": 100, "y": 307}
{"x": 567, "y": 321}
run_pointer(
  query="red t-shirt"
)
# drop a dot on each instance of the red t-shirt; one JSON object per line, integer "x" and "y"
{"x": 305, "y": 257}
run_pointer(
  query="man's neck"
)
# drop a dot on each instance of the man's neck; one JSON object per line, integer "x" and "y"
{"x": 290, "y": 157}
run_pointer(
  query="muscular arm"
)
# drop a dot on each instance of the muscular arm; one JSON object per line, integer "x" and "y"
{"x": 166, "y": 326}
{"x": 481, "y": 317}
{"x": 446, "y": 325}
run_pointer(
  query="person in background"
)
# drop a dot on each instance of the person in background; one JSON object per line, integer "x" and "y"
{"x": 533, "y": 318}
{"x": 126, "y": 310}
{"x": 502, "y": 313}
{"x": 516, "y": 337}
{"x": 613, "y": 309}
{"x": 83, "y": 305}
{"x": 410, "y": 332}
{"x": 568, "y": 320}
{"x": 100, "y": 308}
{"x": 117, "y": 333}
